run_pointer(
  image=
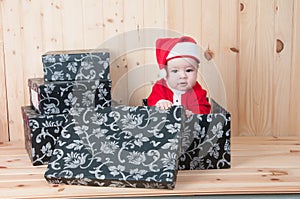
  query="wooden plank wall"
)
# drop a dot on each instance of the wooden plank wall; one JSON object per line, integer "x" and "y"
{"x": 254, "y": 45}
{"x": 4, "y": 134}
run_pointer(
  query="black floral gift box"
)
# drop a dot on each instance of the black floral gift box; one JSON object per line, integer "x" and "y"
{"x": 59, "y": 97}
{"x": 206, "y": 140}
{"x": 41, "y": 133}
{"x": 76, "y": 65}
{"x": 118, "y": 146}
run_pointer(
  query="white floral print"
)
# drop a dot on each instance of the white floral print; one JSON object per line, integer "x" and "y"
{"x": 136, "y": 158}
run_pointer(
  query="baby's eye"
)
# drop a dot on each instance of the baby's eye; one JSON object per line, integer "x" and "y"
{"x": 174, "y": 71}
{"x": 189, "y": 70}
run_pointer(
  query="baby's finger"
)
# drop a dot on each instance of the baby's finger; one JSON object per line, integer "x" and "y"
{"x": 167, "y": 105}
{"x": 161, "y": 106}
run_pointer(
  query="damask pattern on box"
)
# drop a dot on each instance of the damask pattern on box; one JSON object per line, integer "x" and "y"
{"x": 206, "y": 142}
{"x": 59, "y": 97}
{"x": 119, "y": 146}
{"x": 76, "y": 65}
{"x": 41, "y": 133}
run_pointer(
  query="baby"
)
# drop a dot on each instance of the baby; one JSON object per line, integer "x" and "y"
{"x": 178, "y": 58}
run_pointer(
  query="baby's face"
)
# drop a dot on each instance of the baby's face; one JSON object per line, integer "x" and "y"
{"x": 182, "y": 73}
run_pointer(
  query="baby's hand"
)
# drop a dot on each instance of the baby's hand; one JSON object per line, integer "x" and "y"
{"x": 188, "y": 113}
{"x": 164, "y": 104}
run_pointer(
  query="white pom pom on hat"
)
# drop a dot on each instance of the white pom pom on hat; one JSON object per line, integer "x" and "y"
{"x": 171, "y": 48}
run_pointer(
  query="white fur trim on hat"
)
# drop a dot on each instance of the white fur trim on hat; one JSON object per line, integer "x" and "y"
{"x": 163, "y": 73}
{"x": 183, "y": 49}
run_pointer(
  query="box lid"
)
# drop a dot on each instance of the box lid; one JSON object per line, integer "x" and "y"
{"x": 76, "y": 65}
{"x": 51, "y": 57}
{"x": 58, "y": 86}
{"x": 119, "y": 146}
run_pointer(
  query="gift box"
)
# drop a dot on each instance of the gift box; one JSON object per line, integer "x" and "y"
{"x": 76, "y": 65}
{"x": 59, "y": 97}
{"x": 118, "y": 146}
{"x": 41, "y": 133}
{"x": 206, "y": 140}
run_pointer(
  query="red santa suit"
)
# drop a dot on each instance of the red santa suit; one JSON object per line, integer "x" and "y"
{"x": 193, "y": 100}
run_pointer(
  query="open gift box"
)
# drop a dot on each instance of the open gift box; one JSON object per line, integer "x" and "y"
{"x": 139, "y": 146}
{"x": 119, "y": 146}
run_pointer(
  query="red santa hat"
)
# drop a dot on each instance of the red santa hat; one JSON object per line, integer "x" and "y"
{"x": 170, "y": 48}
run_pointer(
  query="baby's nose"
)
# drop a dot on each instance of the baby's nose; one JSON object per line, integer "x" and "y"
{"x": 183, "y": 74}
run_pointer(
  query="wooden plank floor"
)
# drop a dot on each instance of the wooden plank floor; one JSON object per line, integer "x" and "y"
{"x": 260, "y": 165}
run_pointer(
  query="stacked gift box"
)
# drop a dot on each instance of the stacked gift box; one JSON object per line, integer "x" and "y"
{"x": 76, "y": 78}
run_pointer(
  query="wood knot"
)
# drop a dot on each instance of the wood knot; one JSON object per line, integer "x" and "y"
{"x": 208, "y": 54}
{"x": 278, "y": 173}
{"x": 235, "y": 50}
{"x": 279, "y": 45}
{"x": 13, "y": 160}
{"x": 242, "y": 6}
{"x": 260, "y": 170}
{"x": 275, "y": 179}
{"x": 61, "y": 189}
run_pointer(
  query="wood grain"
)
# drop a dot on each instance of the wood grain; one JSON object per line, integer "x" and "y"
{"x": 256, "y": 169}
{"x": 247, "y": 60}
{"x": 4, "y": 136}
{"x": 92, "y": 24}
{"x": 113, "y": 15}
{"x": 155, "y": 13}
{"x": 259, "y": 86}
{"x": 31, "y": 43}
{"x": 72, "y": 21}
{"x": 193, "y": 10}
{"x": 283, "y": 60}
{"x": 228, "y": 66}
{"x": 14, "y": 70}
{"x": 134, "y": 49}
{"x": 175, "y": 15}
{"x": 262, "y": 79}
{"x": 294, "y": 105}
{"x": 51, "y": 14}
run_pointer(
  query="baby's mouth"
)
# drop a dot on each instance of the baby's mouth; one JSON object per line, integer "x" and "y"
{"x": 182, "y": 83}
